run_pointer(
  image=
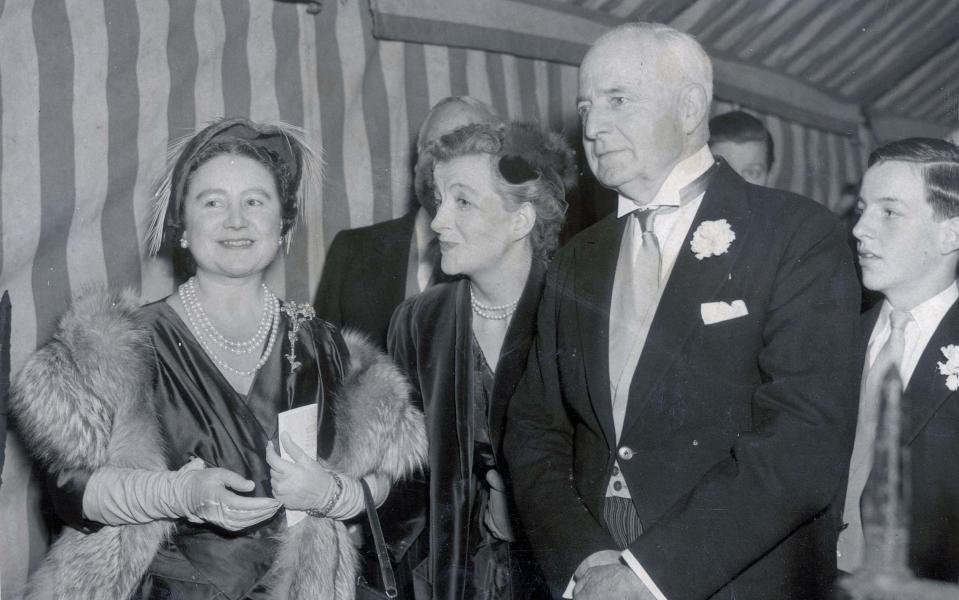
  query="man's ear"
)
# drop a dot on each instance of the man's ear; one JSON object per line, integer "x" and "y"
{"x": 523, "y": 219}
{"x": 693, "y": 107}
{"x": 949, "y": 240}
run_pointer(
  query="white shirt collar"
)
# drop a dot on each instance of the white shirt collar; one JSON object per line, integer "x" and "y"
{"x": 684, "y": 173}
{"x": 928, "y": 314}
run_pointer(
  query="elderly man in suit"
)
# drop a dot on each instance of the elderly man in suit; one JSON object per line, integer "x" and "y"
{"x": 370, "y": 270}
{"x": 908, "y": 235}
{"x": 685, "y": 420}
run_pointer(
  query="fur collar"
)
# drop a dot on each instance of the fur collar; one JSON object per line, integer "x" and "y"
{"x": 83, "y": 401}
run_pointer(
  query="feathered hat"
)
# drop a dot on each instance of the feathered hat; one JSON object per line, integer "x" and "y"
{"x": 287, "y": 142}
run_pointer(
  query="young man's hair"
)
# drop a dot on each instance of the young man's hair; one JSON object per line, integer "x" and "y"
{"x": 938, "y": 164}
{"x": 740, "y": 127}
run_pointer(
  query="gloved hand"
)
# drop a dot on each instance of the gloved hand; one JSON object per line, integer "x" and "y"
{"x": 497, "y": 510}
{"x": 204, "y": 496}
{"x": 119, "y": 496}
{"x": 303, "y": 483}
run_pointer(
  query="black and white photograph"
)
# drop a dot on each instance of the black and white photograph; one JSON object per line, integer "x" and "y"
{"x": 479, "y": 299}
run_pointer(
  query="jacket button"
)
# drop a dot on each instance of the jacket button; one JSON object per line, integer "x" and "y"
{"x": 625, "y": 452}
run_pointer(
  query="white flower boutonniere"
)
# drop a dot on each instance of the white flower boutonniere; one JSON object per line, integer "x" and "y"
{"x": 951, "y": 367}
{"x": 712, "y": 238}
{"x": 298, "y": 314}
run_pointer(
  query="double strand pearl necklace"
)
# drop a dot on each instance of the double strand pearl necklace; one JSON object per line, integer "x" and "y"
{"x": 206, "y": 329}
{"x": 492, "y": 312}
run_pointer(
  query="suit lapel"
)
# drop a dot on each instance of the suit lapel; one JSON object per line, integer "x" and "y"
{"x": 391, "y": 257}
{"x": 692, "y": 282}
{"x": 594, "y": 271}
{"x": 927, "y": 389}
{"x": 463, "y": 377}
{"x": 516, "y": 345}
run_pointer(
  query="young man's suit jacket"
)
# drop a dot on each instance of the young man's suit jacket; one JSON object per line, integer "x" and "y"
{"x": 932, "y": 437}
{"x": 364, "y": 276}
{"x": 737, "y": 435}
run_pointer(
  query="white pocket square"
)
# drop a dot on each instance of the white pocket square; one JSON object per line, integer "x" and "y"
{"x": 717, "y": 312}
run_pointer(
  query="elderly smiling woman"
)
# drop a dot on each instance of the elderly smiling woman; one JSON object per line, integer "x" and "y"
{"x": 159, "y": 424}
{"x": 500, "y": 194}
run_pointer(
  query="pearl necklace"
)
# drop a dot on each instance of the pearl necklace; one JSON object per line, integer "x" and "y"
{"x": 492, "y": 312}
{"x": 194, "y": 308}
{"x": 195, "y": 325}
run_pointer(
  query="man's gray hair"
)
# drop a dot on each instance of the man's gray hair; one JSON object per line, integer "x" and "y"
{"x": 683, "y": 48}
{"x": 469, "y": 101}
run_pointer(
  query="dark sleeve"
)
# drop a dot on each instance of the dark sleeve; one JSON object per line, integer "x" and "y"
{"x": 789, "y": 467}
{"x": 539, "y": 453}
{"x": 66, "y": 496}
{"x": 403, "y": 515}
{"x": 327, "y": 302}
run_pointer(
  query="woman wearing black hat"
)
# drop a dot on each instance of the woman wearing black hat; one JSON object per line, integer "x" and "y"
{"x": 160, "y": 423}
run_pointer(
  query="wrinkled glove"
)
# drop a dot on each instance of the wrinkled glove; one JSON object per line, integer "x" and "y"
{"x": 118, "y": 496}
{"x": 305, "y": 483}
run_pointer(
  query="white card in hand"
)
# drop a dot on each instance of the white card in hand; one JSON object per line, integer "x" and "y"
{"x": 300, "y": 423}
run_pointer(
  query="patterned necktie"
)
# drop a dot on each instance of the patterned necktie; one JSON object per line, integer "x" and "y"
{"x": 851, "y": 540}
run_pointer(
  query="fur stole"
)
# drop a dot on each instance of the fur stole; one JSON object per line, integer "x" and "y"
{"x": 83, "y": 401}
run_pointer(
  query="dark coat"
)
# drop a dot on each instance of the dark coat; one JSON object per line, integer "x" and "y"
{"x": 738, "y": 433}
{"x": 364, "y": 276}
{"x": 933, "y": 441}
{"x": 430, "y": 337}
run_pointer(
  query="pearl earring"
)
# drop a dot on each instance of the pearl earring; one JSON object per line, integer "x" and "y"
{"x": 184, "y": 243}
{"x": 279, "y": 242}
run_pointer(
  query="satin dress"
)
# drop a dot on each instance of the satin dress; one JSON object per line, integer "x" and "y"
{"x": 201, "y": 415}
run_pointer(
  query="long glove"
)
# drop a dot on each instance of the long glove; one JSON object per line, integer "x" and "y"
{"x": 119, "y": 496}
{"x": 307, "y": 484}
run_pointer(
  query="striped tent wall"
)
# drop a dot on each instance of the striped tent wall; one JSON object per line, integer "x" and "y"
{"x": 809, "y": 161}
{"x": 91, "y": 93}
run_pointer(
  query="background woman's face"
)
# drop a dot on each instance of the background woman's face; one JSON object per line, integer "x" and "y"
{"x": 474, "y": 228}
{"x": 232, "y": 217}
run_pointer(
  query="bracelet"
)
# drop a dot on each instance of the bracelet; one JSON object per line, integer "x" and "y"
{"x": 321, "y": 513}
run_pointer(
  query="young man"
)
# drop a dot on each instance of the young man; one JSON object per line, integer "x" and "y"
{"x": 908, "y": 238}
{"x": 745, "y": 143}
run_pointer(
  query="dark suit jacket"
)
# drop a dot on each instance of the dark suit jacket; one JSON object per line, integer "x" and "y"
{"x": 364, "y": 276}
{"x": 933, "y": 441}
{"x": 431, "y": 339}
{"x": 741, "y": 431}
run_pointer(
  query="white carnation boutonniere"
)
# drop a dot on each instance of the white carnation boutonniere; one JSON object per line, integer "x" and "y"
{"x": 298, "y": 314}
{"x": 951, "y": 367}
{"x": 712, "y": 238}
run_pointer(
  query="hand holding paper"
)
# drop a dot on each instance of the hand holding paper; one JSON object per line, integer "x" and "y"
{"x": 301, "y": 483}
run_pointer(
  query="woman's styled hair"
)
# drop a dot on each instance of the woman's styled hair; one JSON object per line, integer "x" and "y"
{"x": 938, "y": 164}
{"x": 279, "y": 147}
{"x": 529, "y": 165}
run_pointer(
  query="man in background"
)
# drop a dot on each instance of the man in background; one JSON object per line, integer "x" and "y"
{"x": 908, "y": 235}
{"x": 745, "y": 143}
{"x": 370, "y": 270}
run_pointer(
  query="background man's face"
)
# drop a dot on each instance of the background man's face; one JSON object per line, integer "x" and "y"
{"x": 746, "y": 158}
{"x": 441, "y": 121}
{"x": 628, "y": 105}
